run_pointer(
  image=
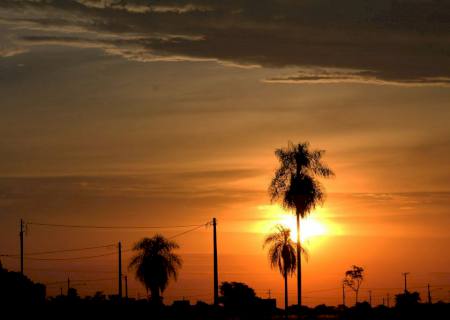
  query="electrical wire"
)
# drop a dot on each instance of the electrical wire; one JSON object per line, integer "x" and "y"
{"x": 71, "y": 271}
{"x": 63, "y": 250}
{"x": 190, "y": 230}
{"x": 74, "y": 282}
{"x": 63, "y": 259}
{"x": 26, "y": 256}
{"x": 108, "y": 227}
{"x": 322, "y": 290}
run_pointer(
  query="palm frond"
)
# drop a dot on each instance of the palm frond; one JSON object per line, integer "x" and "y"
{"x": 295, "y": 183}
{"x": 282, "y": 250}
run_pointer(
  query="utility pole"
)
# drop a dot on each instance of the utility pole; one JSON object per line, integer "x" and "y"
{"x": 21, "y": 246}
{"x": 388, "y": 300}
{"x": 126, "y": 287}
{"x": 343, "y": 294}
{"x": 383, "y": 301}
{"x": 270, "y": 296}
{"x": 370, "y": 297}
{"x": 429, "y": 294}
{"x": 216, "y": 275}
{"x": 68, "y": 285}
{"x": 120, "y": 271}
{"x": 405, "y": 274}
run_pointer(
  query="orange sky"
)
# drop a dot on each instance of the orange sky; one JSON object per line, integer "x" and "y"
{"x": 109, "y": 119}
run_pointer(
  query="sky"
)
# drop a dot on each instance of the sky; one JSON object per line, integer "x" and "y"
{"x": 162, "y": 113}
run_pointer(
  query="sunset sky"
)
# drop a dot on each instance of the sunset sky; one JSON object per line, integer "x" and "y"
{"x": 160, "y": 113}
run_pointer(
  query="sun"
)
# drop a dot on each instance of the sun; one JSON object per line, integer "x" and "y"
{"x": 310, "y": 226}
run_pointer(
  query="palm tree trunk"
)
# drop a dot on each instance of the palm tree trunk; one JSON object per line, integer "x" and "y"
{"x": 356, "y": 297}
{"x": 285, "y": 295}
{"x": 299, "y": 264}
{"x": 155, "y": 296}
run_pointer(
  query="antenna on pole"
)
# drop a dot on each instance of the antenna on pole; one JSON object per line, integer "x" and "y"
{"x": 405, "y": 274}
{"x": 126, "y": 287}
{"x": 120, "y": 271}
{"x": 216, "y": 275}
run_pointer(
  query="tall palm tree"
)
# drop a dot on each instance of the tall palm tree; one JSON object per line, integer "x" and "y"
{"x": 155, "y": 264}
{"x": 296, "y": 186}
{"x": 282, "y": 255}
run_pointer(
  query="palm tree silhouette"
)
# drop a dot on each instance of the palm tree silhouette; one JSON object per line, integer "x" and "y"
{"x": 155, "y": 264}
{"x": 282, "y": 255}
{"x": 296, "y": 186}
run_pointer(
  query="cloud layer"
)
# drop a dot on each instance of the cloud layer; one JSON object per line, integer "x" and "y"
{"x": 373, "y": 41}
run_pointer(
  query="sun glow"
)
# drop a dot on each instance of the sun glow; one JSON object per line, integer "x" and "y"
{"x": 310, "y": 227}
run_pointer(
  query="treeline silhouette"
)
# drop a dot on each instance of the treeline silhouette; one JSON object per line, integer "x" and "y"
{"x": 237, "y": 301}
{"x": 15, "y": 287}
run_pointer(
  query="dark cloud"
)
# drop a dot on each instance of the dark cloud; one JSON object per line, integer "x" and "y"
{"x": 315, "y": 76}
{"x": 375, "y": 41}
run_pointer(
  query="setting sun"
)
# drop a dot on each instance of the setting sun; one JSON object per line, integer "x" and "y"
{"x": 311, "y": 226}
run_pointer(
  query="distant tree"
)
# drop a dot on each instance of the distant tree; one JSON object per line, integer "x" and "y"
{"x": 99, "y": 296}
{"x": 155, "y": 264}
{"x": 72, "y": 294}
{"x": 296, "y": 186}
{"x": 282, "y": 255}
{"x": 407, "y": 299}
{"x": 236, "y": 295}
{"x": 353, "y": 279}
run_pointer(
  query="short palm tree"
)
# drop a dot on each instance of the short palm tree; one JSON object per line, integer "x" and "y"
{"x": 296, "y": 186}
{"x": 155, "y": 264}
{"x": 282, "y": 255}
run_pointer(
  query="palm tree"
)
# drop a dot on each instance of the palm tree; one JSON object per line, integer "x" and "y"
{"x": 296, "y": 186}
{"x": 282, "y": 256}
{"x": 155, "y": 264}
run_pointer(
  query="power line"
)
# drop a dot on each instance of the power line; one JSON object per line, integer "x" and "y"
{"x": 94, "y": 280}
{"x": 96, "y": 247}
{"x": 70, "y": 271}
{"x": 396, "y": 288}
{"x": 187, "y": 296}
{"x": 63, "y": 259}
{"x": 78, "y": 281}
{"x": 322, "y": 290}
{"x": 80, "y": 226}
{"x": 63, "y": 250}
{"x": 88, "y": 248}
{"x": 190, "y": 230}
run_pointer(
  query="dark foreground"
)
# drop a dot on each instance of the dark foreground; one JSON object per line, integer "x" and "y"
{"x": 202, "y": 311}
{"x": 20, "y": 298}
